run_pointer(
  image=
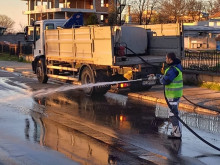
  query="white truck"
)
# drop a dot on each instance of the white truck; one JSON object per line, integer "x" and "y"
{"x": 94, "y": 54}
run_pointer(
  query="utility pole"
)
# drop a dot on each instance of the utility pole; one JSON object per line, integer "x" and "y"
{"x": 120, "y": 5}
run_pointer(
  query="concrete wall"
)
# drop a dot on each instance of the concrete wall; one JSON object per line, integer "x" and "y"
{"x": 196, "y": 77}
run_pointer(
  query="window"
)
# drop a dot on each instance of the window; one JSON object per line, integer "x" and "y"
{"x": 61, "y": 5}
{"x": 102, "y": 18}
{"x": 211, "y": 24}
{"x": 49, "y": 26}
{"x": 102, "y": 3}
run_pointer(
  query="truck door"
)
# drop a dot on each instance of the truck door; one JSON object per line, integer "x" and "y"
{"x": 38, "y": 44}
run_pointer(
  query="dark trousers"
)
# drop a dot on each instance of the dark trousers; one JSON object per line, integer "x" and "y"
{"x": 173, "y": 104}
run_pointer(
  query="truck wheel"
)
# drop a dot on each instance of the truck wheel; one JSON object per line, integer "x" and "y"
{"x": 41, "y": 71}
{"x": 87, "y": 77}
{"x": 101, "y": 77}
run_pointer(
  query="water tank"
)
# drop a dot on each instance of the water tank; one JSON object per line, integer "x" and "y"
{"x": 134, "y": 37}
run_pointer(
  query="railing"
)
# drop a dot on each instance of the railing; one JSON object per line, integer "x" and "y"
{"x": 15, "y": 49}
{"x": 202, "y": 61}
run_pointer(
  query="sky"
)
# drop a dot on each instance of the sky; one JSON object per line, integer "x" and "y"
{"x": 14, "y": 9}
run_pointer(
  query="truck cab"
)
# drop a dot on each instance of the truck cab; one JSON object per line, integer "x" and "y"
{"x": 35, "y": 34}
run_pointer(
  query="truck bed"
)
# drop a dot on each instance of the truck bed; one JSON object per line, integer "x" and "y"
{"x": 92, "y": 45}
{"x": 96, "y": 45}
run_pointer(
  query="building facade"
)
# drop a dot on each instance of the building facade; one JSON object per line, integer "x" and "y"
{"x": 201, "y": 35}
{"x": 64, "y": 9}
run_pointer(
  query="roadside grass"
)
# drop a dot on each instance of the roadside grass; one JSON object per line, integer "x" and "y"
{"x": 8, "y": 57}
{"x": 211, "y": 85}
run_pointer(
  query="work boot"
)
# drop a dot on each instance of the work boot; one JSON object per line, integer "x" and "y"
{"x": 175, "y": 133}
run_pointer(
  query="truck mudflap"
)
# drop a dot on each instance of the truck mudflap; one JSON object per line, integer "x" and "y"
{"x": 138, "y": 84}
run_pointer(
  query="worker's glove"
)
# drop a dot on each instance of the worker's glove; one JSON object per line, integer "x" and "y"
{"x": 162, "y": 70}
{"x": 159, "y": 79}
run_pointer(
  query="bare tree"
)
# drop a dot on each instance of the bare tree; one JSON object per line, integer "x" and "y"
{"x": 6, "y": 22}
{"x": 21, "y": 27}
{"x": 194, "y": 9}
{"x": 138, "y": 9}
{"x": 159, "y": 18}
{"x": 217, "y": 6}
{"x": 209, "y": 6}
{"x": 172, "y": 9}
{"x": 112, "y": 13}
{"x": 92, "y": 20}
{"x": 144, "y": 6}
{"x": 213, "y": 6}
{"x": 152, "y": 6}
{"x": 200, "y": 8}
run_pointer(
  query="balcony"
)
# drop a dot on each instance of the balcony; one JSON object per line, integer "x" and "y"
{"x": 41, "y": 8}
{"x": 86, "y": 6}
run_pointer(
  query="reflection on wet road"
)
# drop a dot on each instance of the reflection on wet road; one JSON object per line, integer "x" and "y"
{"x": 108, "y": 130}
{"x": 103, "y": 119}
{"x": 131, "y": 126}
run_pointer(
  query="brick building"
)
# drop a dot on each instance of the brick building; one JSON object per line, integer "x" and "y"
{"x": 63, "y": 9}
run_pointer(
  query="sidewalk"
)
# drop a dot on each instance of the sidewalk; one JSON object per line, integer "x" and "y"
{"x": 20, "y": 67}
{"x": 198, "y": 95}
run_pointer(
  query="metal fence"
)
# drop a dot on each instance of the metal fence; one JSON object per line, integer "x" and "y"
{"x": 202, "y": 61}
{"x": 15, "y": 49}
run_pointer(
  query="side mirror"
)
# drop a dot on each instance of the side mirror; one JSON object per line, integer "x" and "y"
{"x": 26, "y": 33}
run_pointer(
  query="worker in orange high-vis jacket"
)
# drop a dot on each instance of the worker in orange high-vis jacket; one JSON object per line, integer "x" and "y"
{"x": 173, "y": 90}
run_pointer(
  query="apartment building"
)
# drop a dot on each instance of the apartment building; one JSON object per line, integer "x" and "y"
{"x": 63, "y": 9}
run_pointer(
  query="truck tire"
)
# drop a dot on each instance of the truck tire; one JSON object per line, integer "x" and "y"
{"x": 101, "y": 77}
{"x": 87, "y": 77}
{"x": 41, "y": 71}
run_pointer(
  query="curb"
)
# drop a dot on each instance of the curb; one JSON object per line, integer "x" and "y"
{"x": 8, "y": 69}
{"x": 24, "y": 73}
{"x": 188, "y": 107}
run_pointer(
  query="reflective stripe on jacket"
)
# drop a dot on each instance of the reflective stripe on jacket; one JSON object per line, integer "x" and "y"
{"x": 175, "y": 88}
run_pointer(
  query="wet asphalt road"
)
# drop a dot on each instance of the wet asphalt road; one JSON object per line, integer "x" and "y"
{"x": 70, "y": 128}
